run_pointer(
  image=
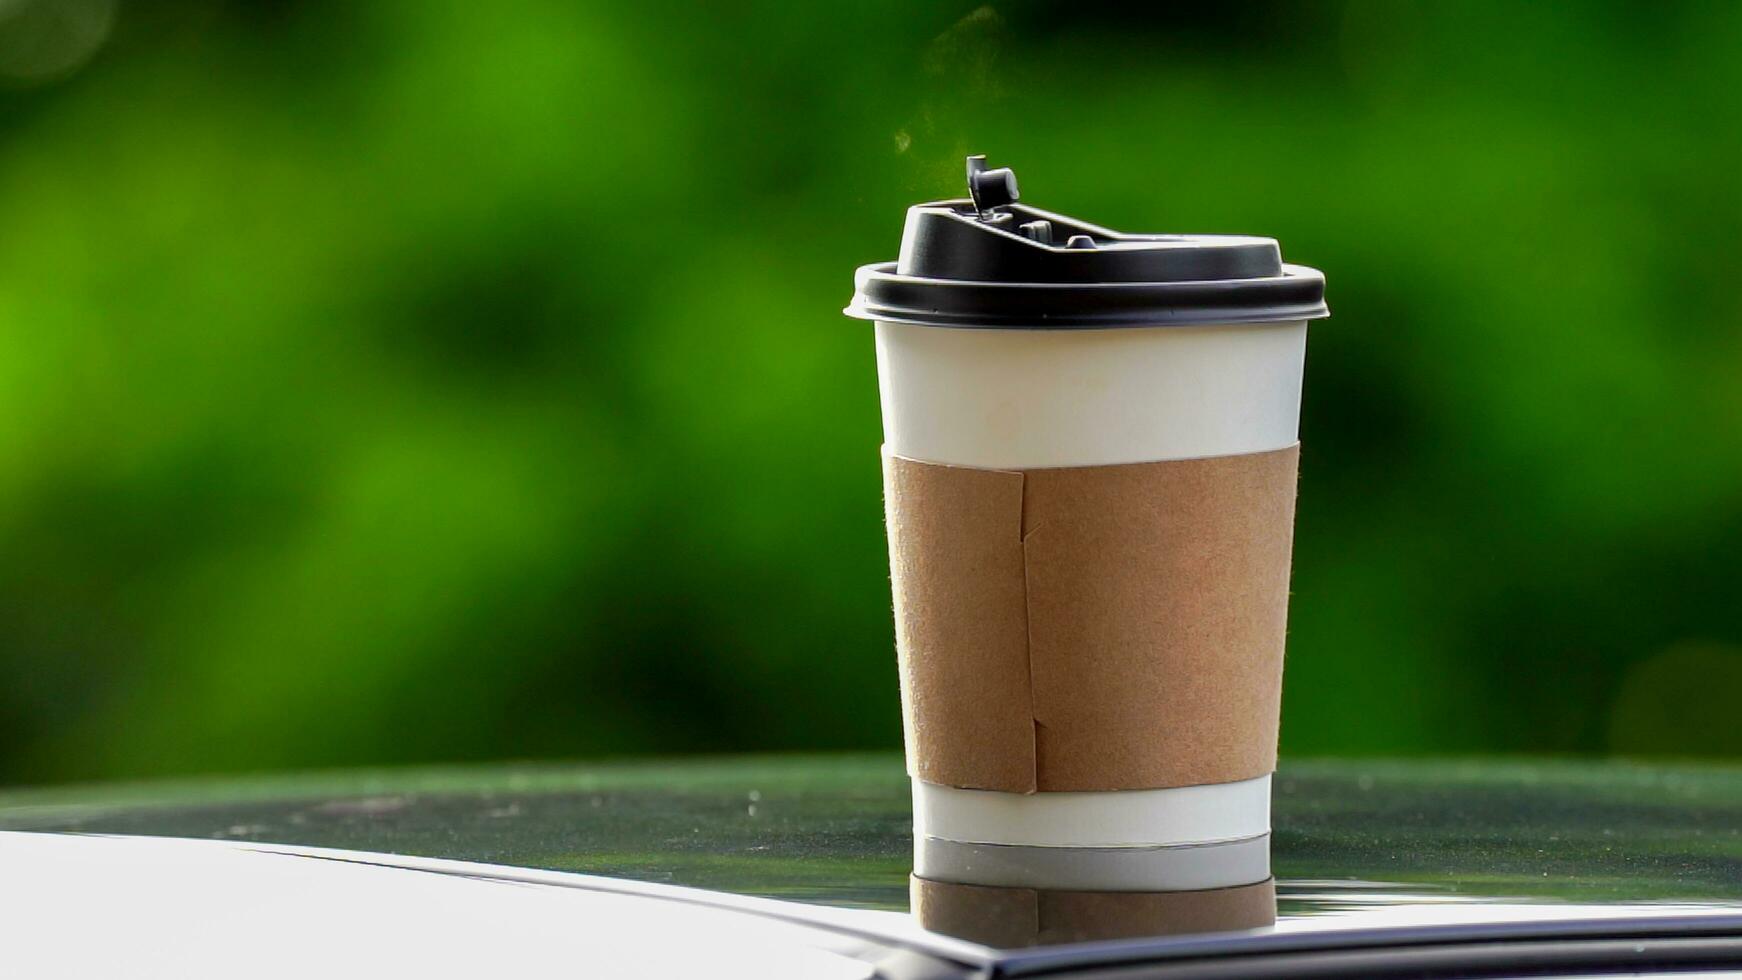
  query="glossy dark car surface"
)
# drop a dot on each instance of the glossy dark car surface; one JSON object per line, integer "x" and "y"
{"x": 1395, "y": 846}
{"x": 834, "y": 829}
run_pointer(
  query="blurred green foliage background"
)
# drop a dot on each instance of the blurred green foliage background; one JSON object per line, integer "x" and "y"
{"x": 425, "y": 380}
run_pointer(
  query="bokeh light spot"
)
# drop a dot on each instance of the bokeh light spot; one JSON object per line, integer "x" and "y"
{"x": 44, "y": 40}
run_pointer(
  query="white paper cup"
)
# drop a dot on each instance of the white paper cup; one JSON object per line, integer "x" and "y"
{"x": 1033, "y": 399}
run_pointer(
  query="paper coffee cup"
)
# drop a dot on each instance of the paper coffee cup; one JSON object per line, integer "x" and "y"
{"x": 1090, "y": 458}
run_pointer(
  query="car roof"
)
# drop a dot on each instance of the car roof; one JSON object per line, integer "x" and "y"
{"x": 1360, "y": 847}
{"x": 94, "y": 905}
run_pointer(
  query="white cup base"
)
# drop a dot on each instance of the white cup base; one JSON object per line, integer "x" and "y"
{"x": 1127, "y": 818}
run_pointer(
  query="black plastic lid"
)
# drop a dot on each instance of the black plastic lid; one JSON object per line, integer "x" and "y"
{"x": 986, "y": 261}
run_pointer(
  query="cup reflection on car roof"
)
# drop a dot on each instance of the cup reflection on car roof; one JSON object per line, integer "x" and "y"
{"x": 1008, "y": 895}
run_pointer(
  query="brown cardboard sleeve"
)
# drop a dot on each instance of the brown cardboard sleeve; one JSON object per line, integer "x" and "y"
{"x": 1091, "y": 628}
{"x": 1016, "y": 917}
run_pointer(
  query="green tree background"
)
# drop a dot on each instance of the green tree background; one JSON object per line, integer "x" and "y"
{"x": 426, "y": 380}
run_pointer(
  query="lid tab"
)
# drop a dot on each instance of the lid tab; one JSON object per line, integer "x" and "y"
{"x": 990, "y": 189}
